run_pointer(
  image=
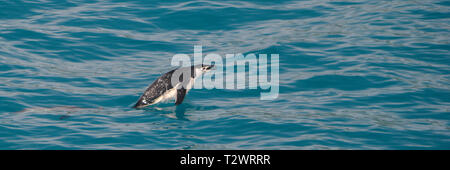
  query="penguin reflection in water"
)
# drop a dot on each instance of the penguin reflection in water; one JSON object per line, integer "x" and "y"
{"x": 171, "y": 85}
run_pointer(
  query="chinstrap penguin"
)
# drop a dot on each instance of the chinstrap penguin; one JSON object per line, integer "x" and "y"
{"x": 171, "y": 85}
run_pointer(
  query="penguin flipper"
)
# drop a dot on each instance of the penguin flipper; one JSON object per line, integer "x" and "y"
{"x": 180, "y": 96}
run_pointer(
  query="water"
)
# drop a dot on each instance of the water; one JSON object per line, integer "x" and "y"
{"x": 353, "y": 74}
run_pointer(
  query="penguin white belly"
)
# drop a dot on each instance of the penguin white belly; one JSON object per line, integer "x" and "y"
{"x": 169, "y": 94}
{"x": 172, "y": 93}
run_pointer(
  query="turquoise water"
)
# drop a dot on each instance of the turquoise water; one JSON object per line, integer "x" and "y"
{"x": 353, "y": 74}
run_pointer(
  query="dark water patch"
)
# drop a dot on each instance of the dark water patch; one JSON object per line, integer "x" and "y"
{"x": 430, "y": 14}
{"x": 341, "y": 82}
{"x": 445, "y": 3}
{"x": 226, "y": 18}
{"x": 352, "y": 51}
{"x": 16, "y": 9}
{"x": 9, "y": 105}
{"x": 344, "y": 3}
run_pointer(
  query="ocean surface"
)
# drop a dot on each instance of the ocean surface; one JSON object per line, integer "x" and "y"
{"x": 353, "y": 74}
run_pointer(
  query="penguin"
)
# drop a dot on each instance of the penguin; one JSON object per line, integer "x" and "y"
{"x": 171, "y": 85}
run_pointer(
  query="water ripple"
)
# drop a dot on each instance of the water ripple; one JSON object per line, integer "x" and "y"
{"x": 353, "y": 75}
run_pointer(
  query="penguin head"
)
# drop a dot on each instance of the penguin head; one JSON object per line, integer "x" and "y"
{"x": 206, "y": 68}
{"x": 197, "y": 70}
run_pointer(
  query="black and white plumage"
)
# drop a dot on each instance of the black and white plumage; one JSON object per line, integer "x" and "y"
{"x": 165, "y": 88}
